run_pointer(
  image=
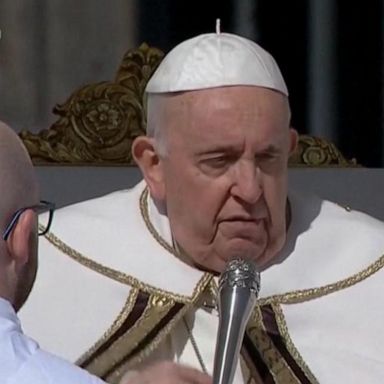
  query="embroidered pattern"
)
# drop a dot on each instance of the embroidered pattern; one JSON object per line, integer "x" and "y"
{"x": 115, "y": 327}
{"x": 269, "y": 354}
{"x": 136, "y": 333}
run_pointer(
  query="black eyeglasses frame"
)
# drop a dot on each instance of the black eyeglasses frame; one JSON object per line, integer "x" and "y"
{"x": 42, "y": 207}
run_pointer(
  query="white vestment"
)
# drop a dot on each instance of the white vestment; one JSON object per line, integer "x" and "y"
{"x": 22, "y": 361}
{"x": 325, "y": 288}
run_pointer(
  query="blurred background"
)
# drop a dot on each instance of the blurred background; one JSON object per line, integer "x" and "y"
{"x": 331, "y": 53}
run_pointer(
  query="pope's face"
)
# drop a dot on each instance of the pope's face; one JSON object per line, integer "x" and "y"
{"x": 224, "y": 176}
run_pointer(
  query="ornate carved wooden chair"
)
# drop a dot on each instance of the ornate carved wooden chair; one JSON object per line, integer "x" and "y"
{"x": 97, "y": 124}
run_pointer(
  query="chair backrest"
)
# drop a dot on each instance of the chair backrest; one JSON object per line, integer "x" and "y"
{"x": 98, "y": 122}
{"x": 95, "y": 128}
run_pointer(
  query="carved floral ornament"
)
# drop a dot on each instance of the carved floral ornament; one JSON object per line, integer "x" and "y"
{"x": 98, "y": 122}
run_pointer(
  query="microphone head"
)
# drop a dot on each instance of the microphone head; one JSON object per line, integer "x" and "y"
{"x": 242, "y": 274}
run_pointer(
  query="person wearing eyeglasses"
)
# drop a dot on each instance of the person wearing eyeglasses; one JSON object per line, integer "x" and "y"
{"x": 21, "y": 359}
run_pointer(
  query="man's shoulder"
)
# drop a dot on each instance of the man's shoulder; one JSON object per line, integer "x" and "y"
{"x": 318, "y": 213}
{"x": 22, "y": 361}
{"x": 328, "y": 245}
{"x": 121, "y": 205}
{"x": 353, "y": 223}
{"x": 44, "y": 367}
{"x": 322, "y": 227}
{"x": 100, "y": 205}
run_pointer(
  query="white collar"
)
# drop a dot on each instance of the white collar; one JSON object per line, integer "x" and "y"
{"x": 8, "y": 316}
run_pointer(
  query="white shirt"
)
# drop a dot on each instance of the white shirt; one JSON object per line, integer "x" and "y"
{"x": 22, "y": 361}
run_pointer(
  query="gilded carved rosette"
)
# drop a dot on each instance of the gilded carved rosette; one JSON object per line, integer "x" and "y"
{"x": 97, "y": 124}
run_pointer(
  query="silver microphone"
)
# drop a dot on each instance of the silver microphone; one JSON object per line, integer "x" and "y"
{"x": 239, "y": 286}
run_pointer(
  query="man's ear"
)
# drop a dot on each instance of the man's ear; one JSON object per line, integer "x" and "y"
{"x": 146, "y": 157}
{"x": 18, "y": 242}
{"x": 294, "y": 139}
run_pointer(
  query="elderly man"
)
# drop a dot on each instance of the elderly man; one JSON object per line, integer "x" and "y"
{"x": 21, "y": 359}
{"x": 142, "y": 263}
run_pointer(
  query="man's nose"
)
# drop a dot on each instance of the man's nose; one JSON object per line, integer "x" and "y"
{"x": 247, "y": 182}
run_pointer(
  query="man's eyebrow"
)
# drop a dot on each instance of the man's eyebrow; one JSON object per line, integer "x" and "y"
{"x": 225, "y": 148}
{"x": 272, "y": 149}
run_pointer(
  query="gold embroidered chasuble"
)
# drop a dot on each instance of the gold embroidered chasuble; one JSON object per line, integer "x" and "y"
{"x": 150, "y": 314}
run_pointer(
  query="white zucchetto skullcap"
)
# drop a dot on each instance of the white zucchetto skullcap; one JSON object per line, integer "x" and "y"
{"x": 216, "y": 60}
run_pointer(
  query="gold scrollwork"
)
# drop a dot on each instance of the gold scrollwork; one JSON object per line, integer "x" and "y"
{"x": 137, "y": 67}
{"x": 317, "y": 152}
{"x": 98, "y": 122}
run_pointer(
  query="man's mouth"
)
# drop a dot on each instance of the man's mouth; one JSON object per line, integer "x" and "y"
{"x": 241, "y": 218}
{"x": 242, "y": 226}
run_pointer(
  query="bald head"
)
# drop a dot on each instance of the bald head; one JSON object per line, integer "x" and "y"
{"x": 18, "y": 183}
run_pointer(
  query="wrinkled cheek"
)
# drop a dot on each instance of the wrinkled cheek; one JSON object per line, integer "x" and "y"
{"x": 203, "y": 225}
{"x": 276, "y": 237}
{"x": 207, "y": 234}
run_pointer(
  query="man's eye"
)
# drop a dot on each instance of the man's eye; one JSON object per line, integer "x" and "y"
{"x": 218, "y": 162}
{"x": 267, "y": 157}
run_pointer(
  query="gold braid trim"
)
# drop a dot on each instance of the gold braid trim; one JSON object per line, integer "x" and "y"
{"x": 124, "y": 278}
{"x": 155, "y": 310}
{"x": 277, "y": 365}
{"x": 116, "y": 376}
{"x": 303, "y": 295}
{"x": 283, "y": 330}
{"x": 121, "y": 317}
{"x": 145, "y": 215}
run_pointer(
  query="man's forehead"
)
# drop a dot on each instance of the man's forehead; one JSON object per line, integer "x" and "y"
{"x": 201, "y": 140}
{"x": 227, "y": 114}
